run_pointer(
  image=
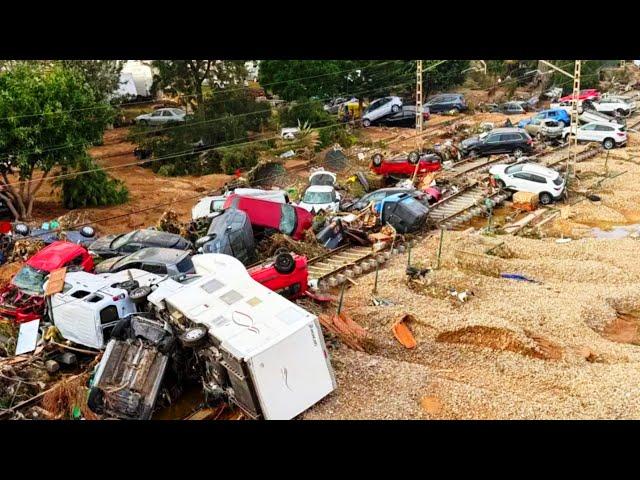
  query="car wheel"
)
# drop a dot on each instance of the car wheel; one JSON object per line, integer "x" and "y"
{"x": 455, "y": 110}
{"x": 120, "y": 331}
{"x": 140, "y": 294}
{"x": 284, "y": 263}
{"x": 377, "y": 159}
{"x": 144, "y": 122}
{"x": 366, "y": 122}
{"x": 500, "y": 184}
{"x": 608, "y": 143}
{"x": 414, "y": 157}
{"x": 395, "y": 108}
{"x": 545, "y": 198}
{"x": 621, "y": 113}
{"x": 518, "y": 152}
{"x": 193, "y": 336}
{"x": 474, "y": 153}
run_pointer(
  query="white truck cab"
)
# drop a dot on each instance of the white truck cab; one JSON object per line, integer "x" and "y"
{"x": 90, "y": 305}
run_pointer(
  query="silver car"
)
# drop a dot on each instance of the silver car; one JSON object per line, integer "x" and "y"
{"x": 162, "y": 116}
{"x": 159, "y": 261}
{"x": 381, "y": 108}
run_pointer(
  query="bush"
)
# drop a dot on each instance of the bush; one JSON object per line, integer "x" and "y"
{"x": 243, "y": 158}
{"x": 311, "y": 112}
{"x": 93, "y": 189}
{"x": 339, "y": 135}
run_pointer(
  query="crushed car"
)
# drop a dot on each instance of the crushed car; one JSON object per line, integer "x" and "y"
{"x": 50, "y": 233}
{"x": 160, "y": 261}
{"x": 22, "y": 300}
{"x": 114, "y": 245}
{"x": 405, "y": 164}
{"x": 230, "y": 233}
{"x": 403, "y": 212}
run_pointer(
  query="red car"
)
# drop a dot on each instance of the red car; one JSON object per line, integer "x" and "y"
{"x": 284, "y": 217}
{"x": 429, "y": 162}
{"x": 588, "y": 94}
{"x": 22, "y": 300}
{"x": 287, "y": 274}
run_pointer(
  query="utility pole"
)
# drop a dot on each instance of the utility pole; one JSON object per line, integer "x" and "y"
{"x": 573, "y": 129}
{"x": 418, "y": 102}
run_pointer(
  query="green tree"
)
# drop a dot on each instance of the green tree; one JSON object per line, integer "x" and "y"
{"x": 103, "y": 76}
{"x": 188, "y": 77}
{"x": 302, "y": 79}
{"x": 47, "y": 120}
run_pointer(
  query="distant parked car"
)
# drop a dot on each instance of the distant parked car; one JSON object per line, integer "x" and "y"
{"x": 379, "y": 108}
{"x": 160, "y": 261}
{"x": 544, "y": 128}
{"x": 445, "y": 102}
{"x": 587, "y": 94}
{"x": 162, "y": 116}
{"x": 514, "y": 141}
{"x": 404, "y": 118}
{"x": 609, "y": 134}
{"x": 405, "y": 164}
{"x": 530, "y": 177}
{"x": 509, "y": 108}
{"x": 283, "y": 217}
{"x": 113, "y": 245}
{"x": 336, "y": 105}
{"x": 558, "y": 114}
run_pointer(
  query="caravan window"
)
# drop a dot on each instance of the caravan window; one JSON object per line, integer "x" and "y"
{"x": 108, "y": 315}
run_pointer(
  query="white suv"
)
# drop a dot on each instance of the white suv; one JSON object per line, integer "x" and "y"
{"x": 530, "y": 177}
{"x": 609, "y": 134}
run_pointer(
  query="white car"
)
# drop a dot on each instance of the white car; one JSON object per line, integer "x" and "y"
{"x": 320, "y": 197}
{"x": 614, "y": 106}
{"x": 289, "y": 133}
{"x": 380, "y": 108}
{"x": 162, "y": 116}
{"x": 530, "y": 177}
{"x": 609, "y": 134}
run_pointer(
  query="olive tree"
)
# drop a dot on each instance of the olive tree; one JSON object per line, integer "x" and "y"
{"x": 48, "y": 118}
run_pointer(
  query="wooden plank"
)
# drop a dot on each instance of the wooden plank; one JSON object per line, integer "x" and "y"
{"x": 56, "y": 281}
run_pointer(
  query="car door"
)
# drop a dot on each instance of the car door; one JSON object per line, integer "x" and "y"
{"x": 534, "y": 126}
{"x": 435, "y": 105}
{"x": 520, "y": 181}
{"x": 156, "y": 118}
{"x": 168, "y": 117}
{"x": 588, "y": 133}
{"x": 384, "y": 108}
{"x": 491, "y": 144}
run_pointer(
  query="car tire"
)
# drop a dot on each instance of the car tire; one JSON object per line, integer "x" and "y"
{"x": 193, "y": 336}
{"x": 474, "y": 153}
{"x": 95, "y": 401}
{"x": 120, "y": 330}
{"x": 140, "y": 294}
{"x": 455, "y": 110}
{"x": 366, "y": 122}
{"x": 284, "y": 263}
{"x": 395, "y": 108}
{"x": 518, "y": 152}
{"x": 545, "y": 198}
{"x": 500, "y": 184}
{"x": 414, "y": 157}
{"x": 377, "y": 159}
{"x": 608, "y": 143}
{"x": 144, "y": 123}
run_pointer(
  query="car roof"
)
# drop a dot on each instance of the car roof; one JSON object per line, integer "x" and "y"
{"x": 539, "y": 169}
{"x": 156, "y": 237}
{"x": 320, "y": 188}
{"x": 507, "y": 130}
{"x": 157, "y": 254}
{"x": 54, "y": 256}
{"x": 604, "y": 124}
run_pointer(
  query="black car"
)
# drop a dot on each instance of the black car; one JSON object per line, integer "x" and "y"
{"x": 230, "y": 233}
{"x": 446, "y": 102}
{"x": 404, "y": 118}
{"x": 514, "y": 141}
{"x": 113, "y": 245}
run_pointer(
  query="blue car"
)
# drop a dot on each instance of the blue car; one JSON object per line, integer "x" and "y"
{"x": 557, "y": 114}
{"x": 403, "y": 212}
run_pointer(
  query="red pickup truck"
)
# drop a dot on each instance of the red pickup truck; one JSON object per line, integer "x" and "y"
{"x": 22, "y": 299}
{"x": 284, "y": 217}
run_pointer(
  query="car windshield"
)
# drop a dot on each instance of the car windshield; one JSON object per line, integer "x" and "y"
{"x": 122, "y": 240}
{"x": 557, "y": 180}
{"x": 513, "y": 168}
{"x": 318, "y": 197}
{"x": 482, "y": 136}
{"x": 288, "y": 219}
{"x": 30, "y": 279}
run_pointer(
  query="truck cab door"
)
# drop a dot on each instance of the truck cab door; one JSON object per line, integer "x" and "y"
{"x": 108, "y": 317}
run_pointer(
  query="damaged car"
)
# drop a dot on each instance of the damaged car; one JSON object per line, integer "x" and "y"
{"x": 403, "y": 212}
{"x": 405, "y": 164}
{"x": 114, "y": 245}
{"x": 84, "y": 236}
{"x": 160, "y": 261}
{"x": 22, "y": 300}
{"x": 230, "y": 233}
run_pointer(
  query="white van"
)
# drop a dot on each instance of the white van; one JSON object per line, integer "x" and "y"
{"x": 90, "y": 305}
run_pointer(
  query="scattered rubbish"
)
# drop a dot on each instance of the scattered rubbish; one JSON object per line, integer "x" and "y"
{"x": 526, "y": 201}
{"x": 288, "y": 154}
{"x": 403, "y": 333}
{"x": 563, "y": 240}
{"x": 381, "y": 302}
{"x": 348, "y": 331}
{"x": 461, "y": 296}
{"x": 594, "y": 198}
{"x": 363, "y": 180}
{"x": 27, "y": 337}
{"x": 515, "y": 276}
{"x": 415, "y": 273}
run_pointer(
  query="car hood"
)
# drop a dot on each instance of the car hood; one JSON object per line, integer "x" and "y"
{"x": 144, "y": 115}
{"x": 103, "y": 244}
{"x": 105, "y": 265}
{"x": 498, "y": 169}
{"x": 316, "y": 207}
{"x": 523, "y": 123}
{"x": 469, "y": 142}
